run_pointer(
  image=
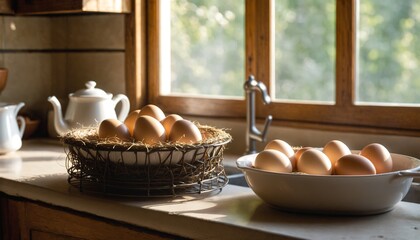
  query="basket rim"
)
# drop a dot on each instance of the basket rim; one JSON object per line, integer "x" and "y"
{"x": 68, "y": 139}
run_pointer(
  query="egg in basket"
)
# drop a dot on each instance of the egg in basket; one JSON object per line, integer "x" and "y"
{"x": 149, "y": 154}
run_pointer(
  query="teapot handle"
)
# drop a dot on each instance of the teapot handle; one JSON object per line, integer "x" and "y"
{"x": 22, "y": 125}
{"x": 125, "y": 108}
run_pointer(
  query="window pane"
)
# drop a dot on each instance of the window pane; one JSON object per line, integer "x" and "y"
{"x": 202, "y": 47}
{"x": 388, "y": 51}
{"x": 305, "y": 50}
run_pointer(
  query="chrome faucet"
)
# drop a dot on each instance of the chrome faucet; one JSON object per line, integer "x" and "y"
{"x": 252, "y": 133}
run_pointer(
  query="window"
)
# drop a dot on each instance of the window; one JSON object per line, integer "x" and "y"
{"x": 202, "y": 48}
{"x": 320, "y": 60}
{"x": 388, "y": 59}
{"x": 304, "y": 44}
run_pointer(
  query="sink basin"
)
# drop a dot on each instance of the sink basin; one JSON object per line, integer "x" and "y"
{"x": 236, "y": 177}
{"x": 238, "y": 180}
{"x": 413, "y": 194}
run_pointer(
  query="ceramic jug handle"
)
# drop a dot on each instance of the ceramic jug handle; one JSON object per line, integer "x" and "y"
{"x": 125, "y": 108}
{"x": 18, "y": 107}
{"x": 22, "y": 125}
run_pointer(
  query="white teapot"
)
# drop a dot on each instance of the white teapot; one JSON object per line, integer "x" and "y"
{"x": 88, "y": 107}
{"x": 10, "y": 133}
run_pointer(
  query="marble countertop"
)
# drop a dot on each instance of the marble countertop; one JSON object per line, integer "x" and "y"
{"x": 38, "y": 172}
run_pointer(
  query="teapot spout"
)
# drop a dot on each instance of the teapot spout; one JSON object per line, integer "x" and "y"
{"x": 60, "y": 125}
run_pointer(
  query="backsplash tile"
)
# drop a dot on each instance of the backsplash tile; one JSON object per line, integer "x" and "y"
{"x": 59, "y": 75}
{"x": 106, "y": 69}
{"x": 34, "y": 33}
{"x": 30, "y": 79}
{"x": 59, "y": 32}
{"x": 96, "y": 32}
{"x": 1, "y": 31}
{"x": 56, "y": 55}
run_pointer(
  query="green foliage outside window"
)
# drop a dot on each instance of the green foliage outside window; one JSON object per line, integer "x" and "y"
{"x": 208, "y": 49}
{"x": 305, "y": 50}
{"x": 389, "y": 51}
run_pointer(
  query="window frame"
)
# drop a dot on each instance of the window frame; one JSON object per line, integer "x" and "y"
{"x": 344, "y": 115}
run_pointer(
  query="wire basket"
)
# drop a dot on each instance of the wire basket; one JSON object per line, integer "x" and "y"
{"x": 117, "y": 168}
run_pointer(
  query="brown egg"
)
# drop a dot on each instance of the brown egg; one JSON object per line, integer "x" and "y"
{"x": 299, "y": 152}
{"x": 335, "y": 149}
{"x": 295, "y": 158}
{"x": 314, "y": 161}
{"x": 293, "y": 161}
{"x": 109, "y": 128}
{"x": 169, "y": 121}
{"x": 281, "y": 146}
{"x": 379, "y": 156}
{"x": 184, "y": 131}
{"x": 273, "y": 160}
{"x": 152, "y": 111}
{"x": 354, "y": 164}
{"x": 130, "y": 121}
{"x": 149, "y": 130}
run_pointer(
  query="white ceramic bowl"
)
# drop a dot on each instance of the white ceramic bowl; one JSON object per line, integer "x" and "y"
{"x": 334, "y": 194}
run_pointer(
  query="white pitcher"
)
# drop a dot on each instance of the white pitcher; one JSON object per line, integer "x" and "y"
{"x": 10, "y": 133}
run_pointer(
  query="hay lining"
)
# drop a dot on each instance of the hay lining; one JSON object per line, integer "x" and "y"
{"x": 89, "y": 137}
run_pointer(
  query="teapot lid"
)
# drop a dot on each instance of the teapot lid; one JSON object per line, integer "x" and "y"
{"x": 90, "y": 91}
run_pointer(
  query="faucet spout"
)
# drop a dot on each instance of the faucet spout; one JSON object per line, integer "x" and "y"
{"x": 251, "y": 85}
{"x": 264, "y": 93}
{"x": 252, "y": 133}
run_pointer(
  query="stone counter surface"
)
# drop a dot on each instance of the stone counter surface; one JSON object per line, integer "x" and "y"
{"x": 37, "y": 172}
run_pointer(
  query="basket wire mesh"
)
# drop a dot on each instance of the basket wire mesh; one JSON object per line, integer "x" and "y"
{"x": 139, "y": 172}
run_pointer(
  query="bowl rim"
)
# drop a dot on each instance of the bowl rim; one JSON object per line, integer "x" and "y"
{"x": 244, "y": 163}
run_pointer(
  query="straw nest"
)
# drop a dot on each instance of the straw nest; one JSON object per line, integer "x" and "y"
{"x": 88, "y": 137}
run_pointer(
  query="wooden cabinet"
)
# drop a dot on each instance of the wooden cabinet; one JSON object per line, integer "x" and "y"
{"x": 23, "y": 219}
{"x": 6, "y": 7}
{"x": 29, "y": 7}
